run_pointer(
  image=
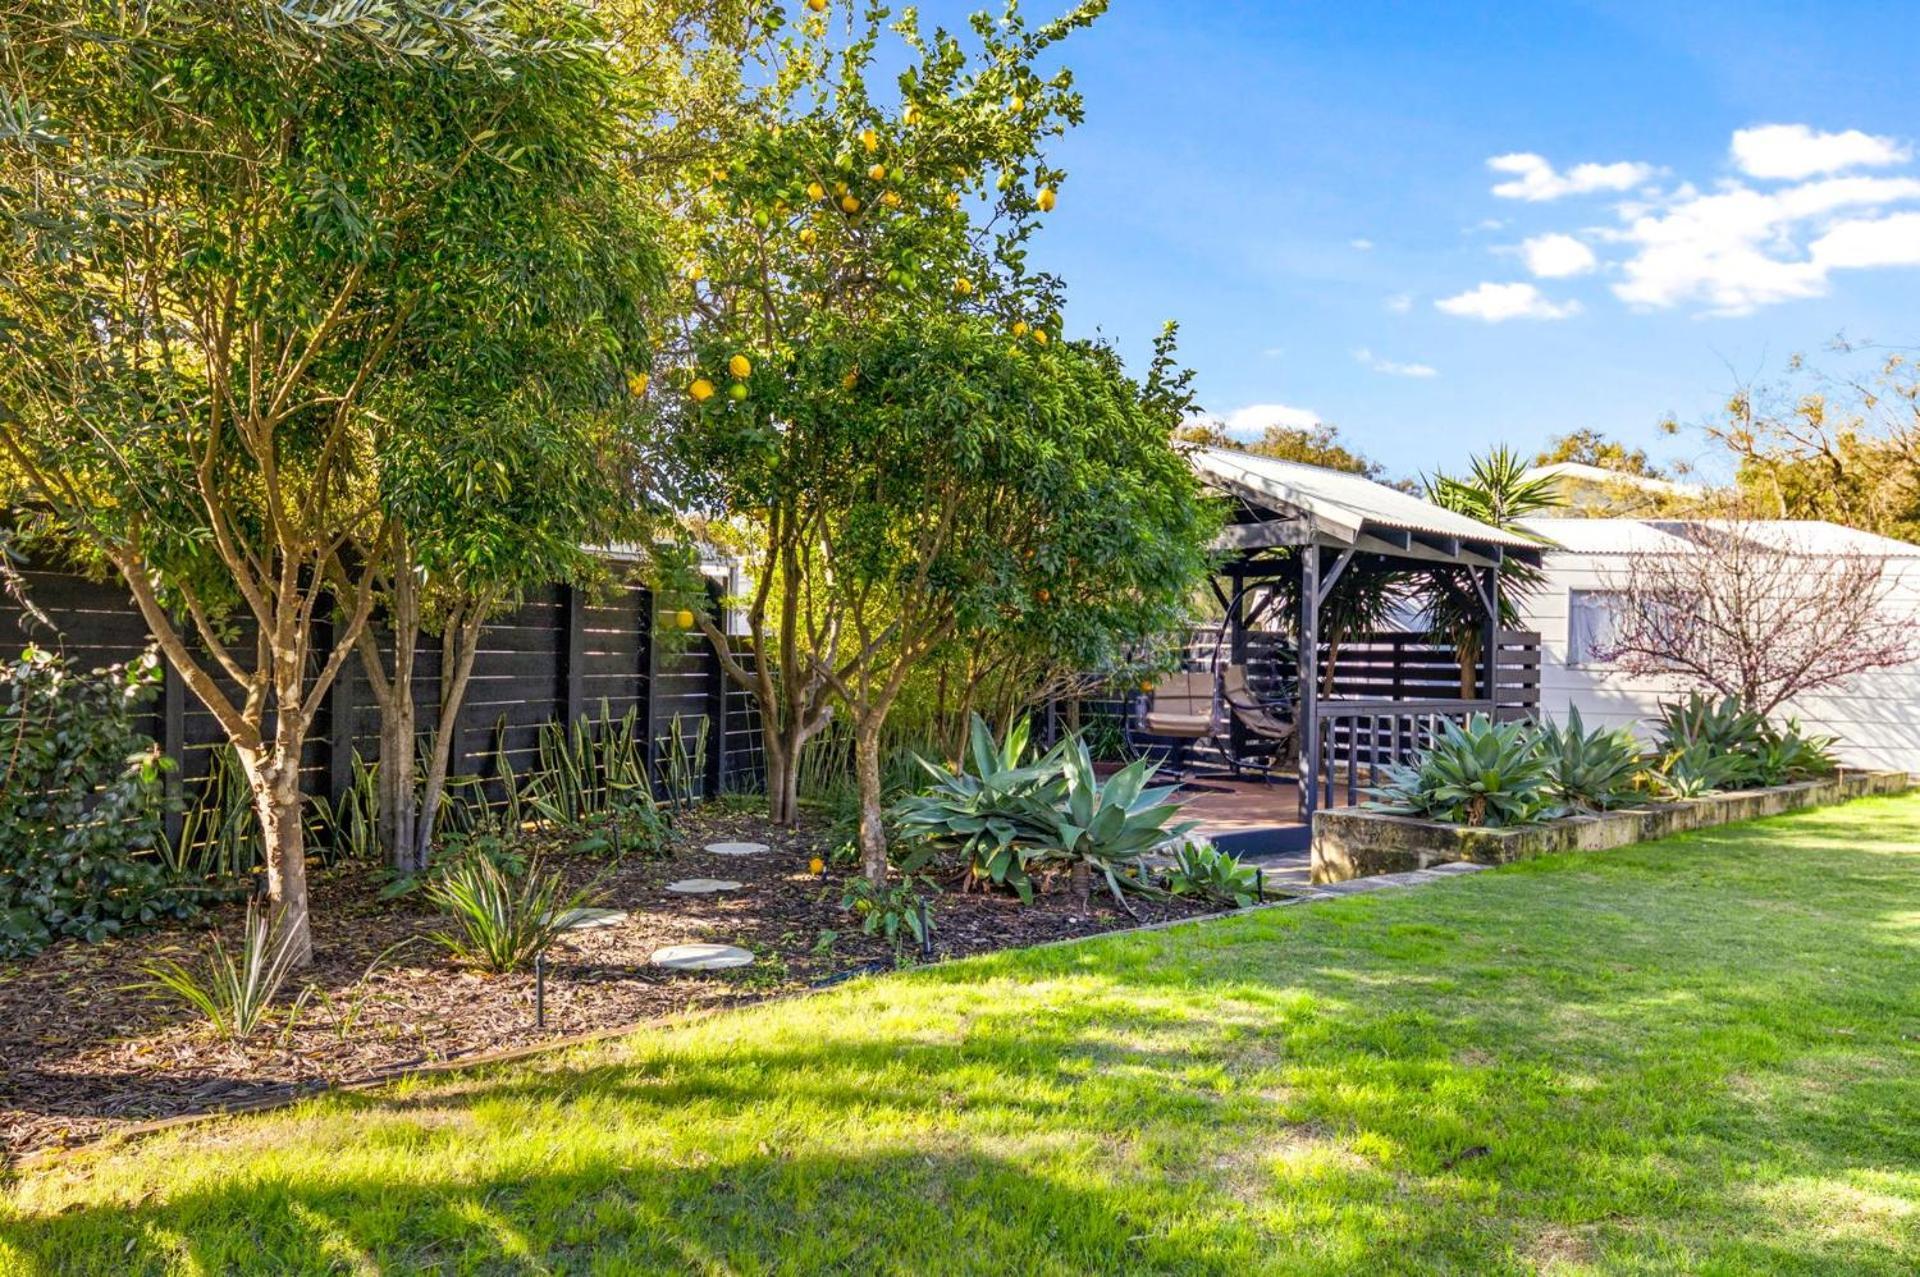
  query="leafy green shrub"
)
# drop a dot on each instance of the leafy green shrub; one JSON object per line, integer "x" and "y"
{"x": 235, "y": 993}
{"x": 80, "y": 805}
{"x": 1589, "y": 770}
{"x": 986, "y": 810}
{"x": 895, "y": 911}
{"x": 1201, "y": 871}
{"x": 504, "y": 925}
{"x": 1484, "y": 773}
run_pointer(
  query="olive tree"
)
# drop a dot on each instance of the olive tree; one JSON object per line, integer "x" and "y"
{"x": 230, "y": 225}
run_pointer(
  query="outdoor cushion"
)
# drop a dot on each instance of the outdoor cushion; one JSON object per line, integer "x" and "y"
{"x": 1160, "y": 724}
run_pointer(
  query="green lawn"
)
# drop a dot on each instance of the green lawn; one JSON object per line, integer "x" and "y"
{"x": 1702, "y": 1054}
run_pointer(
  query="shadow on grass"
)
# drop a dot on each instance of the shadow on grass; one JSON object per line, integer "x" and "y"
{"x": 1645, "y": 1059}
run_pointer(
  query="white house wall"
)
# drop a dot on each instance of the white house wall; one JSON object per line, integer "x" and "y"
{"x": 1877, "y": 717}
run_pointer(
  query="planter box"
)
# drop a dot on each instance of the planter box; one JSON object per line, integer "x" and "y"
{"x": 1355, "y": 843}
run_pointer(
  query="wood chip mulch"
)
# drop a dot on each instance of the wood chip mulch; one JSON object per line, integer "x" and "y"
{"x": 85, "y": 1052}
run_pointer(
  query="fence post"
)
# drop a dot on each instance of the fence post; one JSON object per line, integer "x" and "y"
{"x": 573, "y": 650}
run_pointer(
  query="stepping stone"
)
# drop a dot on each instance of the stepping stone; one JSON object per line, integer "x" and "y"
{"x": 738, "y": 848}
{"x": 588, "y": 919}
{"x": 702, "y": 886}
{"x": 700, "y": 957}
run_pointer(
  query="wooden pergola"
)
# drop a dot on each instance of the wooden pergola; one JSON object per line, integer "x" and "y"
{"x": 1309, "y": 525}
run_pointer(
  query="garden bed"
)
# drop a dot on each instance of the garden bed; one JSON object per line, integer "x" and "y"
{"x": 1357, "y": 843}
{"x": 85, "y": 1053}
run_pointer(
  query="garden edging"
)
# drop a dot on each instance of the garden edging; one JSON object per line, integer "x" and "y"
{"x": 1355, "y": 843}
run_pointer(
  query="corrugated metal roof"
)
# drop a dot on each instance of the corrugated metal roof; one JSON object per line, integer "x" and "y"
{"x": 1341, "y": 503}
{"x": 1606, "y": 536}
{"x": 1812, "y": 537}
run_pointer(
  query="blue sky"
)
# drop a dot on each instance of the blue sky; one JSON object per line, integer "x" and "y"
{"x": 1307, "y": 189}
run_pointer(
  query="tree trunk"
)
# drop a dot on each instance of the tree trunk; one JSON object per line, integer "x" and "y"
{"x": 275, "y": 786}
{"x": 457, "y": 647}
{"x": 866, "y": 766}
{"x": 1080, "y": 882}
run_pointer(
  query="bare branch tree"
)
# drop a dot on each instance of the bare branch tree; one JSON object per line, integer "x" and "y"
{"x": 1752, "y": 613}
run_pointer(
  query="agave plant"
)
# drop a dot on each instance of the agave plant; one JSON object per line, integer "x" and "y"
{"x": 1790, "y": 753}
{"x": 1484, "y": 773}
{"x": 1106, "y": 828}
{"x": 1202, "y": 871}
{"x": 988, "y": 809}
{"x": 1697, "y": 768}
{"x": 1589, "y": 770}
{"x": 1723, "y": 723}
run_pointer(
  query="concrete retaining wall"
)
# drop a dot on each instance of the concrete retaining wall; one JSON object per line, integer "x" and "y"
{"x": 1355, "y": 843}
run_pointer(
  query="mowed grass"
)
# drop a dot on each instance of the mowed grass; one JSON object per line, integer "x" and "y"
{"x": 1699, "y": 1055}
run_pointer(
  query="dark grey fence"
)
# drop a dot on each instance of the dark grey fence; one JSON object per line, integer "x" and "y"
{"x": 559, "y": 656}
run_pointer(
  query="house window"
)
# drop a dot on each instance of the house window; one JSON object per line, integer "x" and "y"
{"x": 1590, "y": 626}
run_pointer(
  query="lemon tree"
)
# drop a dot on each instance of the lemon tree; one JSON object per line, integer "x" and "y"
{"x": 852, "y": 200}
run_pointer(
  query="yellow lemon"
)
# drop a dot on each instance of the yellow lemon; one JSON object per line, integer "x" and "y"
{"x": 740, "y": 366}
{"x": 849, "y": 204}
{"x": 818, "y": 6}
{"x": 891, "y": 199}
{"x": 1040, "y": 335}
{"x": 878, "y": 172}
{"x": 1146, "y": 687}
{"x": 696, "y": 273}
{"x": 870, "y": 140}
{"x": 963, "y": 285}
{"x": 1016, "y": 104}
{"x": 911, "y": 115}
{"x": 816, "y": 866}
{"x": 701, "y": 390}
{"x": 1045, "y": 199}
{"x": 815, "y": 191}
{"x": 636, "y": 384}
{"x": 953, "y": 199}
{"x": 839, "y": 188}
{"x": 1019, "y": 328}
{"x": 683, "y": 618}
{"x": 808, "y": 235}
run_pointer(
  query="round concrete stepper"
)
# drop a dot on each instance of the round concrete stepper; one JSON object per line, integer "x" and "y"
{"x": 702, "y": 886}
{"x": 700, "y": 957}
{"x": 738, "y": 848}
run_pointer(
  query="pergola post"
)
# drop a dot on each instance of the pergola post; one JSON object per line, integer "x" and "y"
{"x": 1308, "y": 633}
{"x": 1490, "y": 644}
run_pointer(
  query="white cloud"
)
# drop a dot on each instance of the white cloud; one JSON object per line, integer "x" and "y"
{"x": 1534, "y": 179}
{"x": 1364, "y": 245}
{"x": 1796, "y": 151}
{"x": 1737, "y": 248}
{"x": 1393, "y": 369}
{"x": 1557, "y": 256}
{"x": 1399, "y": 303}
{"x": 1497, "y": 302}
{"x": 1250, "y": 421}
{"x": 1885, "y": 241}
